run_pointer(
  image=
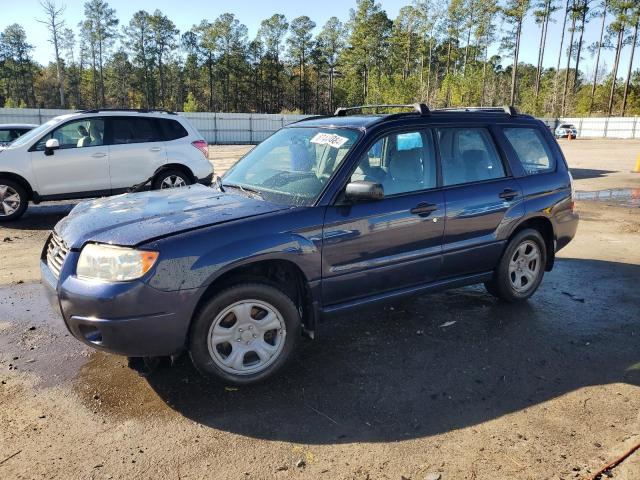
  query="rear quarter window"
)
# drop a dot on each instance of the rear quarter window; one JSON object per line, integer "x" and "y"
{"x": 171, "y": 129}
{"x": 532, "y": 149}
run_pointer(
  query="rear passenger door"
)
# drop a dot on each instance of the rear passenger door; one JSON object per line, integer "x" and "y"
{"x": 379, "y": 246}
{"x": 482, "y": 199}
{"x": 136, "y": 150}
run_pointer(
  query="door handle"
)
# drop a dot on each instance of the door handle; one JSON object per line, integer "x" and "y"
{"x": 424, "y": 209}
{"x": 99, "y": 155}
{"x": 155, "y": 149}
{"x": 508, "y": 194}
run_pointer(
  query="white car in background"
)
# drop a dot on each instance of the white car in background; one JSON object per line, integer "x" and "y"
{"x": 100, "y": 152}
{"x": 565, "y": 129}
{"x": 12, "y": 131}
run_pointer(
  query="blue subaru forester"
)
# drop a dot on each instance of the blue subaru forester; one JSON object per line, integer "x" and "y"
{"x": 327, "y": 214}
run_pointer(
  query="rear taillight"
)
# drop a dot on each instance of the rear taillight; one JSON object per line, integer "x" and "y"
{"x": 202, "y": 146}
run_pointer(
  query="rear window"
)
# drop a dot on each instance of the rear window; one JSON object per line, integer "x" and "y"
{"x": 132, "y": 130}
{"x": 171, "y": 129}
{"x": 532, "y": 150}
{"x": 566, "y": 125}
{"x": 10, "y": 134}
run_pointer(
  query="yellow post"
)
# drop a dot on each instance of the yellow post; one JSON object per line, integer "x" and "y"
{"x": 637, "y": 169}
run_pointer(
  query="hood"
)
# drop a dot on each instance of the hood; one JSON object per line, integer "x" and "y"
{"x": 134, "y": 218}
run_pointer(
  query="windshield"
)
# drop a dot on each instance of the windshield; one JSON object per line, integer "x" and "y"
{"x": 293, "y": 165}
{"x": 566, "y": 125}
{"x": 33, "y": 134}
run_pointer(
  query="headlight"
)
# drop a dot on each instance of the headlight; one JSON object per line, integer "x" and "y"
{"x": 114, "y": 264}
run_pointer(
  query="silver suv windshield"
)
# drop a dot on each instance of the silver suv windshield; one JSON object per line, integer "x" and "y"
{"x": 293, "y": 165}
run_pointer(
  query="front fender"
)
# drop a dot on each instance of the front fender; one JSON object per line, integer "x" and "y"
{"x": 196, "y": 259}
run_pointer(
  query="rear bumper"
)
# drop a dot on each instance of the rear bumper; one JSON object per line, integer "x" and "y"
{"x": 128, "y": 318}
{"x": 206, "y": 181}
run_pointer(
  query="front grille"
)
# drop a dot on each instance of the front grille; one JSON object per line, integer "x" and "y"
{"x": 56, "y": 253}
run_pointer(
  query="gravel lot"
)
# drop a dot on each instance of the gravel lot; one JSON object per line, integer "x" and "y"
{"x": 548, "y": 389}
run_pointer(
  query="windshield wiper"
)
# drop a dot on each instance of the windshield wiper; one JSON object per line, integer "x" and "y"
{"x": 246, "y": 190}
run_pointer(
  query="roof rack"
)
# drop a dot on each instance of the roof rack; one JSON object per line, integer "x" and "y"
{"x": 420, "y": 108}
{"x": 138, "y": 110}
{"x": 508, "y": 109}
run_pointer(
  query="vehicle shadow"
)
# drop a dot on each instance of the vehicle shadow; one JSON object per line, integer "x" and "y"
{"x": 585, "y": 173}
{"x": 42, "y": 216}
{"x": 433, "y": 363}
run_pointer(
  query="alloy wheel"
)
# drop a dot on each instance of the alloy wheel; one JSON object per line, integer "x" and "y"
{"x": 9, "y": 201}
{"x": 173, "y": 181}
{"x": 524, "y": 266}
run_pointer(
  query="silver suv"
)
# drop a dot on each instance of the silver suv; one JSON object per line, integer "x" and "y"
{"x": 98, "y": 153}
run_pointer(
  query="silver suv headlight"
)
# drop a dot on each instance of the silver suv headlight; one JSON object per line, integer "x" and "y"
{"x": 114, "y": 264}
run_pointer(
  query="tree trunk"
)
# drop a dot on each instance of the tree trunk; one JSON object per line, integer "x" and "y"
{"x": 484, "y": 74}
{"x": 583, "y": 22}
{"x": 629, "y": 71}
{"x": 555, "y": 82}
{"x": 331, "y": 89}
{"x": 543, "y": 44}
{"x": 614, "y": 73}
{"x": 566, "y": 73}
{"x": 210, "y": 68}
{"x": 595, "y": 73}
{"x": 514, "y": 71}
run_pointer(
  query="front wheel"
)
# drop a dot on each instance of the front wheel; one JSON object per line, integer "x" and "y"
{"x": 13, "y": 200}
{"x": 244, "y": 334}
{"x": 521, "y": 267}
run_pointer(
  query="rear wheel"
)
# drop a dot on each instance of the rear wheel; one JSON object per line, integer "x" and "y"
{"x": 171, "y": 179}
{"x": 13, "y": 200}
{"x": 521, "y": 267}
{"x": 244, "y": 334}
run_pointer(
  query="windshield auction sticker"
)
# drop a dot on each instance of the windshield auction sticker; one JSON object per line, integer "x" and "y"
{"x": 335, "y": 141}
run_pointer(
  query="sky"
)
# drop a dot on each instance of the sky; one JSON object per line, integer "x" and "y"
{"x": 186, "y": 13}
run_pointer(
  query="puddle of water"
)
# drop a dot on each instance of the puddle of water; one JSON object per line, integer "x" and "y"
{"x": 624, "y": 196}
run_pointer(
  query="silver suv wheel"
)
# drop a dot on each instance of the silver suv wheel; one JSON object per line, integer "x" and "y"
{"x": 173, "y": 181}
{"x": 9, "y": 200}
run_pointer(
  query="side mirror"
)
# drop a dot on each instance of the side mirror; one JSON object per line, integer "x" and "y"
{"x": 51, "y": 145}
{"x": 361, "y": 190}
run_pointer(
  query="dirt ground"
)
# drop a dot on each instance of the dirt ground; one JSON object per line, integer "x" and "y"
{"x": 545, "y": 390}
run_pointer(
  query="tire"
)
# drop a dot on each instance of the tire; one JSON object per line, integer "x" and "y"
{"x": 171, "y": 179}
{"x": 13, "y": 200}
{"x": 261, "y": 352}
{"x": 520, "y": 271}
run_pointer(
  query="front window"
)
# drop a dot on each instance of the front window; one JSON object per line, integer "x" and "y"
{"x": 88, "y": 132}
{"x": 293, "y": 165}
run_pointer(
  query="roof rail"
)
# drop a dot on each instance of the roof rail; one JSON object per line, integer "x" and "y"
{"x": 138, "y": 110}
{"x": 508, "y": 109}
{"x": 420, "y": 108}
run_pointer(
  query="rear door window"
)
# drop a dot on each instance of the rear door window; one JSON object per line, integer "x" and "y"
{"x": 132, "y": 130}
{"x": 532, "y": 150}
{"x": 468, "y": 155}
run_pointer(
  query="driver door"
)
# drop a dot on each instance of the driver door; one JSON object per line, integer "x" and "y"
{"x": 80, "y": 167}
{"x": 379, "y": 246}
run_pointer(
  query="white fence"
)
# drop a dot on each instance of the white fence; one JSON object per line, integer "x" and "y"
{"x": 243, "y": 128}
{"x": 216, "y": 128}
{"x": 610, "y": 127}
